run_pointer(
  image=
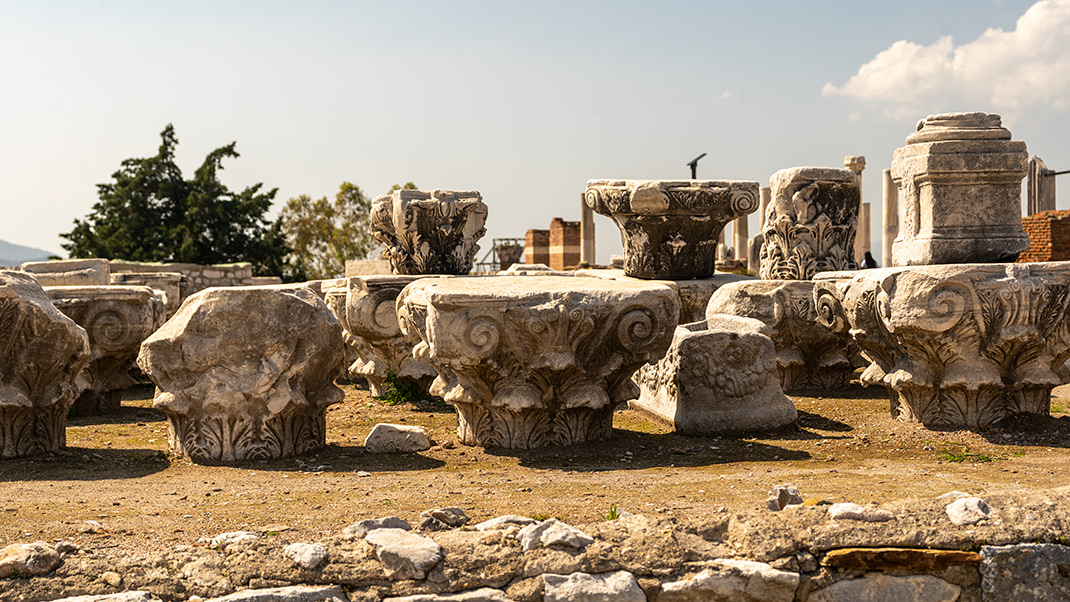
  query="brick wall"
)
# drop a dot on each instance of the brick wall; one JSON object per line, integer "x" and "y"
{"x": 564, "y": 244}
{"x": 537, "y": 247}
{"x": 1049, "y": 236}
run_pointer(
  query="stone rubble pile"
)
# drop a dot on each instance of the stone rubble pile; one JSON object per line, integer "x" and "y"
{"x": 907, "y": 550}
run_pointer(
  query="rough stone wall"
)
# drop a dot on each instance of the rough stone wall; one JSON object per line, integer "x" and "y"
{"x": 537, "y": 247}
{"x": 200, "y": 277}
{"x": 1049, "y": 236}
{"x": 564, "y": 244}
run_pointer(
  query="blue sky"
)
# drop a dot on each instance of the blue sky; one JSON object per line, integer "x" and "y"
{"x": 523, "y": 101}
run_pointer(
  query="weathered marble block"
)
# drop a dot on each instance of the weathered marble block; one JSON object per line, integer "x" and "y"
{"x": 42, "y": 352}
{"x": 172, "y": 284}
{"x": 694, "y": 294}
{"x": 808, "y": 355}
{"x": 117, "y": 320}
{"x": 530, "y": 361}
{"x": 246, "y": 373}
{"x": 670, "y": 227}
{"x": 429, "y": 232}
{"x": 960, "y": 196}
{"x": 70, "y": 272}
{"x": 366, "y": 307}
{"x": 810, "y": 223}
{"x": 719, "y": 376}
{"x": 957, "y": 345}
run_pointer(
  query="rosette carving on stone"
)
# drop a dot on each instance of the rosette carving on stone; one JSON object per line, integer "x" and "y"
{"x": 808, "y": 355}
{"x": 719, "y": 376}
{"x": 530, "y": 361}
{"x": 958, "y": 345}
{"x": 429, "y": 232}
{"x": 42, "y": 352}
{"x": 810, "y": 224}
{"x": 246, "y": 373}
{"x": 117, "y": 320}
{"x": 670, "y": 227}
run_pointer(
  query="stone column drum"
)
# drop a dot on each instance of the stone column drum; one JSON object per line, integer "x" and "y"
{"x": 808, "y": 355}
{"x": 810, "y": 223}
{"x": 670, "y": 228}
{"x": 429, "y": 232}
{"x": 117, "y": 320}
{"x": 958, "y": 345}
{"x": 960, "y": 195}
{"x": 246, "y": 373}
{"x": 42, "y": 352}
{"x": 719, "y": 376}
{"x": 530, "y": 361}
{"x": 369, "y": 317}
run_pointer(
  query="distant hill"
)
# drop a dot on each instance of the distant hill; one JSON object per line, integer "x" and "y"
{"x": 12, "y": 255}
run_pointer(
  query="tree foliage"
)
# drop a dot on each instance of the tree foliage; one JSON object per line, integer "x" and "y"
{"x": 324, "y": 234}
{"x": 149, "y": 212}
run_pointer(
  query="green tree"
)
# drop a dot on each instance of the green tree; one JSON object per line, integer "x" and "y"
{"x": 324, "y": 234}
{"x": 149, "y": 212}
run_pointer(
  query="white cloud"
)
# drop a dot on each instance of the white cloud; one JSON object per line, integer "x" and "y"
{"x": 1003, "y": 70}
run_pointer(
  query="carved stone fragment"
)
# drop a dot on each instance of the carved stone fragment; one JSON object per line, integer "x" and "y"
{"x": 172, "y": 284}
{"x": 246, "y": 373}
{"x": 117, "y": 320}
{"x": 670, "y": 228}
{"x": 808, "y": 355}
{"x": 810, "y": 223}
{"x": 957, "y": 345}
{"x": 41, "y": 353}
{"x": 694, "y": 294}
{"x": 719, "y": 376}
{"x": 70, "y": 272}
{"x": 960, "y": 196}
{"x": 530, "y": 361}
{"x": 366, "y": 307}
{"x": 429, "y": 232}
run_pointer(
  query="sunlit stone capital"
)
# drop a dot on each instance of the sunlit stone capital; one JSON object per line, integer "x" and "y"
{"x": 808, "y": 355}
{"x": 957, "y": 345}
{"x": 246, "y": 373}
{"x": 117, "y": 320}
{"x": 429, "y": 232}
{"x": 670, "y": 228}
{"x": 42, "y": 352}
{"x": 530, "y": 361}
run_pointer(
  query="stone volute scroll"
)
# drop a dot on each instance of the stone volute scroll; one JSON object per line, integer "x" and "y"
{"x": 429, "y": 232}
{"x": 117, "y": 319}
{"x": 235, "y": 388}
{"x": 42, "y": 352}
{"x": 530, "y": 361}
{"x": 957, "y": 345}
{"x": 960, "y": 197}
{"x": 670, "y": 228}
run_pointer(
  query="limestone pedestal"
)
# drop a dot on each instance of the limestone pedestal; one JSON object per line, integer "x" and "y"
{"x": 369, "y": 317}
{"x": 530, "y": 361}
{"x": 246, "y": 373}
{"x": 958, "y": 345}
{"x": 42, "y": 352}
{"x": 694, "y": 294}
{"x": 719, "y": 376}
{"x": 117, "y": 319}
{"x": 808, "y": 355}
{"x": 960, "y": 192}
{"x": 429, "y": 232}
{"x": 670, "y": 228}
{"x": 810, "y": 223}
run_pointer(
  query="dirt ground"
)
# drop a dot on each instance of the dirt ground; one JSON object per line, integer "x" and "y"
{"x": 115, "y": 486}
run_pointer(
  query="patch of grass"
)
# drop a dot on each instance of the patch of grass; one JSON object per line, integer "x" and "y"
{"x": 540, "y": 517}
{"x": 400, "y": 389}
{"x": 613, "y": 513}
{"x": 965, "y": 455}
{"x": 1060, "y": 407}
